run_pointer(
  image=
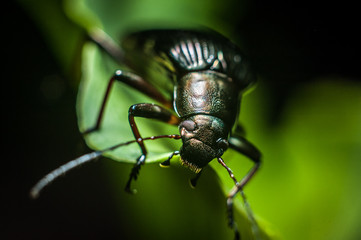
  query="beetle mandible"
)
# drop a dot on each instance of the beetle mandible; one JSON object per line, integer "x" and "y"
{"x": 206, "y": 76}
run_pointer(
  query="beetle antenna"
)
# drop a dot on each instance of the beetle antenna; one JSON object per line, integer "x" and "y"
{"x": 63, "y": 169}
{"x": 56, "y": 173}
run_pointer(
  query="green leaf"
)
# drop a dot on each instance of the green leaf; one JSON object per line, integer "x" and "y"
{"x": 307, "y": 186}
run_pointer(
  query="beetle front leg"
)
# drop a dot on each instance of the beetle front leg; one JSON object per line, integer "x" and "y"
{"x": 145, "y": 110}
{"x": 243, "y": 146}
{"x": 193, "y": 181}
{"x": 134, "y": 81}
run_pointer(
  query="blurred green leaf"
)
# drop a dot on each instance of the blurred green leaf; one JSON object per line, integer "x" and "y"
{"x": 308, "y": 184}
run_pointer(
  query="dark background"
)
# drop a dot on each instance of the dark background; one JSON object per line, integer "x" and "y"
{"x": 289, "y": 42}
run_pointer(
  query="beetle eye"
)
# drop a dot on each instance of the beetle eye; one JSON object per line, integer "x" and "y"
{"x": 222, "y": 143}
{"x": 188, "y": 125}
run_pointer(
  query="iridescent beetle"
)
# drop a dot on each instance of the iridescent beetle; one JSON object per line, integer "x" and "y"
{"x": 207, "y": 74}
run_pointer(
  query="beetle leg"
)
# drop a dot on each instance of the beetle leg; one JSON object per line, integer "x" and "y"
{"x": 238, "y": 130}
{"x": 231, "y": 222}
{"x": 241, "y": 145}
{"x": 105, "y": 42}
{"x": 166, "y": 163}
{"x": 131, "y": 80}
{"x": 146, "y": 110}
{"x": 193, "y": 181}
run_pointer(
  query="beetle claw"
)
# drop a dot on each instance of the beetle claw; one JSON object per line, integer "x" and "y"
{"x": 165, "y": 164}
{"x": 193, "y": 182}
{"x": 130, "y": 191}
{"x": 89, "y": 130}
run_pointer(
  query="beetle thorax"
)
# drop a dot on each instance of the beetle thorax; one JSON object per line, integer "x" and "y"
{"x": 208, "y": 93}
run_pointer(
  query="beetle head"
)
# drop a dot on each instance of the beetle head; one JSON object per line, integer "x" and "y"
{"x": 204, "y": 138}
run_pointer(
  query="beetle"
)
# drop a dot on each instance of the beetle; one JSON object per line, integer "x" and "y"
{"x": 205, "y": 77}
